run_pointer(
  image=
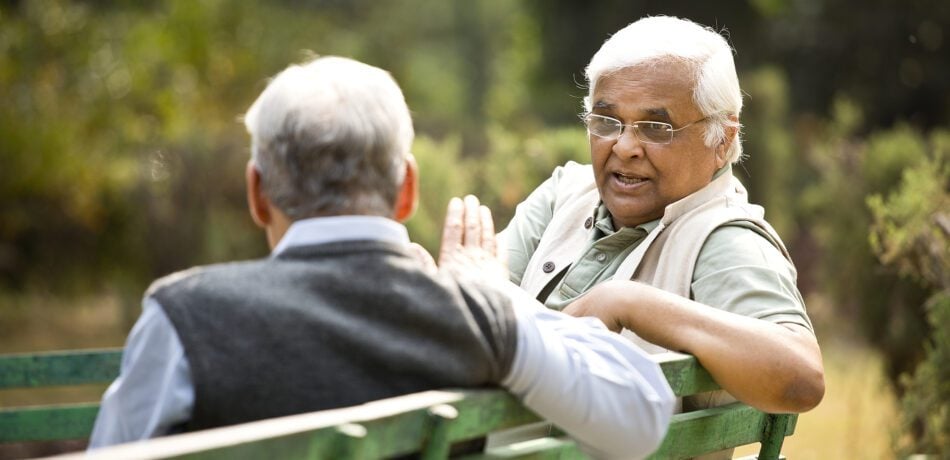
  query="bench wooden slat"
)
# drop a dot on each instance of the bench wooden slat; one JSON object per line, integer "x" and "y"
{"x": 79, "y": 367}
{"x": 75, "y": 367}
{"x": 378, "y": 429}
{"x": 777, "y": 428}
{"x": 709, "y": 430}
{"x": 549, "y": 448}
{"x": 685, "y": 375}
{"x": 689, "y": 435}
{"x": 47, "y": 423}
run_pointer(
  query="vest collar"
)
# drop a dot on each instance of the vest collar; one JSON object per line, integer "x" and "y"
{"x": 723, "y": 183}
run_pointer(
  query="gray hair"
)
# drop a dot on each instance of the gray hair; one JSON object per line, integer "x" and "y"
{"x": 330, "y": 137}
{"x": 705, "y": 52}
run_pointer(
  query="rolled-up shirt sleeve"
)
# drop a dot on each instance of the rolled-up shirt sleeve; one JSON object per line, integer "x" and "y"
{"x": 597, "y": 386}
{"x": 153, "y": 393}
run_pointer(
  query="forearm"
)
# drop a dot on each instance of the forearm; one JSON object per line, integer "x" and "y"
{"x": 774, "y": 367}
{"x": 592, "y": 383}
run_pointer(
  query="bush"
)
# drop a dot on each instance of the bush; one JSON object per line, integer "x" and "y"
{"x": 925, "y": 407}
{"x": 911, "y": 232}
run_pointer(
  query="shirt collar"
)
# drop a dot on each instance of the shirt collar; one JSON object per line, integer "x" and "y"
{"x": 722, "y": 170}
{"x": 604, "y": 223}
{"x": 321, "y": 230}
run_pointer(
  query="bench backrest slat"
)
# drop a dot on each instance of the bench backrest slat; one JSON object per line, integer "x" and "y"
{"x": 685, "y": 375}
{"x": 378, "y": 429}
{"x": 47, "y": 423}
{"x": 75, "y": 367}
{"x": 713, "y": 429}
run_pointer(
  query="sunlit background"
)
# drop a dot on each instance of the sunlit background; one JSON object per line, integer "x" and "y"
{"x": 122, "y": 156}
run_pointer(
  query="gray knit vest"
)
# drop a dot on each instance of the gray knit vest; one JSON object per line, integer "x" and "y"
{"x": 329, "y": 326}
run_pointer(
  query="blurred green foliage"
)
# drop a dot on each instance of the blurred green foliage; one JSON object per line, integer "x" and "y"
{"x": 925, "y": 407}
{"x": 815, "y": 187}
{"x": 122, "y": 151}
{"x": 911, "y": 231}
{"x": 912, "y": 225}
{"x": 846, "y": 169}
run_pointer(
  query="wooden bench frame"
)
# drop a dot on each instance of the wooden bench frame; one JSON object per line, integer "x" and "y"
{"x": 427, "y": 423}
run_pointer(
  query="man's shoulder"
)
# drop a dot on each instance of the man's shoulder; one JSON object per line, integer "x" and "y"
{"x": 203, "y": 275}
{"x": 741, "y": 243}
{"x": 573, "y": 172}
{"x": 574, "y": 181}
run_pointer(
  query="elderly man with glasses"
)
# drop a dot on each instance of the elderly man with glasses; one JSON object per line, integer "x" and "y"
{"x": 656, "y": 237}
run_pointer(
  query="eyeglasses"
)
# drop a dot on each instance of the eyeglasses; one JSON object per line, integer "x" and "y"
{"x": 649, "y": 132}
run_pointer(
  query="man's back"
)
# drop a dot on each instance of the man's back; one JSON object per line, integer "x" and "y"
{"x": 330, "y": 325}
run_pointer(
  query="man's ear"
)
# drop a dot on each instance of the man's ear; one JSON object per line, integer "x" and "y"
{"x": 408, "y": 195}
{"x": 257, "y": 202}
{"x": 722, "y": 150}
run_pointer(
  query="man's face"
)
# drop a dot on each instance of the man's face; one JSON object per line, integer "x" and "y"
{"x": 638, "y": 180}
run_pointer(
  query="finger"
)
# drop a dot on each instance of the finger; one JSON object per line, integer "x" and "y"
{"x": 472, "y": 236}
{"x": 487, "y": 230}
{"x": 453, "y": 230}
{"x": 423, "y": 256}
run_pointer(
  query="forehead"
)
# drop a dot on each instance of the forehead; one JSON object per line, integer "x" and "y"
{"x": 661, "y": 90}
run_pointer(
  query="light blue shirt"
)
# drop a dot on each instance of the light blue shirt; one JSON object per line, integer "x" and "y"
{"x": 591, "y": 382}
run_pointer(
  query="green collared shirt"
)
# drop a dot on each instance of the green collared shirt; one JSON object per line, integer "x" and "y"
{"x": 738, "y": 270}
{"x": 605, "y": 251}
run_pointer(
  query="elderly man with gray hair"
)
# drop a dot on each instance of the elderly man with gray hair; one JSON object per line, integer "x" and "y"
{"x": 656, "y": 237}
{"x": 344, "y": 311}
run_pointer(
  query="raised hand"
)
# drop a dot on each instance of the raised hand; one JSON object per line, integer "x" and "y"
{"x": 468, "y": 240}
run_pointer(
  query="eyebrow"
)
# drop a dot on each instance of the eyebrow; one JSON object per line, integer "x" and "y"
{"x": 657, "y": 112}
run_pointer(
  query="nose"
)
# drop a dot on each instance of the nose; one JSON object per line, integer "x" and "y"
{"x": 628, "y": 145}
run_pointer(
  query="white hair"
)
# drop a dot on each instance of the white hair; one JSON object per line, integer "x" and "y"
{"x": 705, "y": 52}
{"x": 331, "y": 136}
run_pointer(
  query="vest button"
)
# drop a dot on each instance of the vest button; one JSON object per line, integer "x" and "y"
{"x": 589, "y": 223}
{"x": 548, "y": 267}
{"x": 601, "y": 257}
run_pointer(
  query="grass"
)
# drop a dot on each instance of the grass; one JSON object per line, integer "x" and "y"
{"x": 855, "y": 418}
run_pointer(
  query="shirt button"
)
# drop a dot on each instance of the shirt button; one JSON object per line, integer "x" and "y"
{"x": 601, "y": 257}
{"x": 548, "y": 267}
{"x": 589, "y": 222}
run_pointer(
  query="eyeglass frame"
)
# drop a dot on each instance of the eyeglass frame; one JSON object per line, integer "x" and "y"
{"x": 636, "y": 128}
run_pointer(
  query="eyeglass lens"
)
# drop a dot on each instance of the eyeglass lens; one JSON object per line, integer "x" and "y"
{"x": 646, "y": 131}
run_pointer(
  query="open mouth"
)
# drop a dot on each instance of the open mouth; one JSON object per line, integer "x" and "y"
{"x": 628, "y": 180}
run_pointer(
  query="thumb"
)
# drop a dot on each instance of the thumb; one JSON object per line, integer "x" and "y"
{"x": 423, "y": 256}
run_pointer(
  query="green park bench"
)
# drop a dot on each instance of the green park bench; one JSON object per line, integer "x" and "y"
{"x": 425, "y": 423}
